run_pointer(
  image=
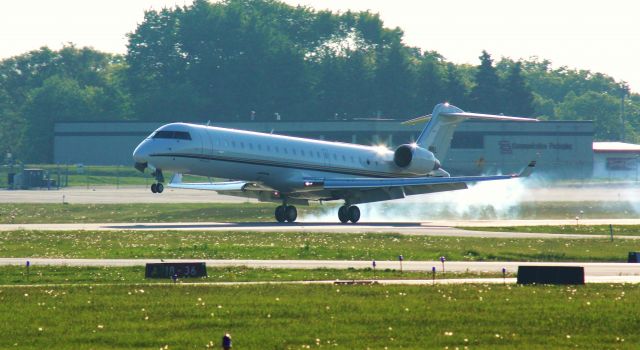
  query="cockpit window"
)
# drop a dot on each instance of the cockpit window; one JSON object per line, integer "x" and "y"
{"x": 166, "y": 134}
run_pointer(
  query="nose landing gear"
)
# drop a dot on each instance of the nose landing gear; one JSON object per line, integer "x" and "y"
{"x": 157, "y": 187}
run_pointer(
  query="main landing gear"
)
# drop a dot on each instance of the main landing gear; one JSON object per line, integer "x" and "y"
{"x": 287, "y": 213}
{"x": 348, "y": 213}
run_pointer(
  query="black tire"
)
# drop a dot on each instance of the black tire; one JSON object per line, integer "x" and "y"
{"x": 159, "y": 188}
{"x": 291, "y": 213}
{"x": 153, "y": 188}
{"x": 343, "y": 214}
{"x": 354, "y": 213}
{"x": 280, "y": 213}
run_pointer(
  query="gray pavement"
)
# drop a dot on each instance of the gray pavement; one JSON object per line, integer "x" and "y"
{"x": 140, "y": 194}
{"x": 113, "y": 195}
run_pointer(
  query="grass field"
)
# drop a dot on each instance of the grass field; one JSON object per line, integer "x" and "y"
{"x": 342, "y": 317}
{"x": 23, "y": 213}
{"x": 302, "y": 245}
{"x": 16, "y": 275}
{"x": 618, "y": 230}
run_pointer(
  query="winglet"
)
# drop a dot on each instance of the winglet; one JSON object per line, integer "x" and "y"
{"x": 176, "y": 179}
{"x": 528, "y": 170}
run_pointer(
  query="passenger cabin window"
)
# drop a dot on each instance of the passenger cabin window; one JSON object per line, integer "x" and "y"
{"x": 166, "y": 134}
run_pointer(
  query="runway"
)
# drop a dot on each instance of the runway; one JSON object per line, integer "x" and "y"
{"x": 432, "y": 228}
{"x": 142, "y": 194}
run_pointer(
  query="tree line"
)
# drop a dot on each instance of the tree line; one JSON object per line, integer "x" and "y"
{"x": 263, "y": 59}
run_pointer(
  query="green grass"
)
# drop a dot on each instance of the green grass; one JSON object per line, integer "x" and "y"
{"x": 618, "y": 230}
{"x": 342, "y": 317}
{"x": 16, "y": 275}
{"x": 302, "y": 245}
{"x": 28, "y": 213}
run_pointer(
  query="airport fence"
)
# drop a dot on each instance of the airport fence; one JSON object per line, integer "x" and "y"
{"x": 53, "y": 176}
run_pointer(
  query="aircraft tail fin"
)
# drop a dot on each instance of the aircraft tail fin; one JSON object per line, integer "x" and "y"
{"x": 437, "y": 134}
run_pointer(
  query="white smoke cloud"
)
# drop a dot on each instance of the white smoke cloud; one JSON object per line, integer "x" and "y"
{"x": 484, "y": 200}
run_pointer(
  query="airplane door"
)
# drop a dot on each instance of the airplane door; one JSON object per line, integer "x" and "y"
{"x": 325, "y": 157}
{"x": 205, "y": 144}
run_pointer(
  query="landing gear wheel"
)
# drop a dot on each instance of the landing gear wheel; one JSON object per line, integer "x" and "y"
{"x": 154, "y": 189}
{"x": 159, "y": 188}
{"x": 353, "y": 213}
{"x": 280, "y": 213}
{"x": 343, "y": 215}
{"x": 291, "y": 213}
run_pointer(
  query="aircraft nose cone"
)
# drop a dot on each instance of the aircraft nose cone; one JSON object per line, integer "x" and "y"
{"x": 140, "y": 154}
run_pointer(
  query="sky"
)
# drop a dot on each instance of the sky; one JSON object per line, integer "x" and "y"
{"x": 601, "y": 36}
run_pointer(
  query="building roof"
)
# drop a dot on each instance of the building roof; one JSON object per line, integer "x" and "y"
{"x": 618, "y": 147}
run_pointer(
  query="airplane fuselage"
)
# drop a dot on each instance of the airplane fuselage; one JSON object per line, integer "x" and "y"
{"x": 279, "y": 162}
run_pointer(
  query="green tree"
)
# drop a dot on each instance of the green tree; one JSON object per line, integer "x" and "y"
{"x": 602, "y": 108}
{"x": 395, "y": 82}
{"x": 485, "y": 95}
{"x": 431, "y": 82}
{"x": 518, "y": 99}
{"x": 455, "y": 90}
{"x": 23, "y": 78}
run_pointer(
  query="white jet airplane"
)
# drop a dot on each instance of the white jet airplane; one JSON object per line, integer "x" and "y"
{"x": 292, "y": 170}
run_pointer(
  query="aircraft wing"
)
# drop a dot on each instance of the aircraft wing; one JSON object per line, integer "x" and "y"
{"x": 436, "y": 184}
{"x": 227, "y": 186}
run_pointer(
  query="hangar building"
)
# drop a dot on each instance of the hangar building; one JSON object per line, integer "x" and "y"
{"x": 616, "y": 160}
{"x": 562, "y": 148}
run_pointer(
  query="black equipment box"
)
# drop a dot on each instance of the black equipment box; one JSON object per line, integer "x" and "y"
{"x": 634, "y": 257}
{"x": 551, "y": 274}
{"x": 169, "y": 270}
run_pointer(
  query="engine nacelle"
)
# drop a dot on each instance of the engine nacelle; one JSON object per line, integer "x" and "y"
{"x": 415, "y": 160}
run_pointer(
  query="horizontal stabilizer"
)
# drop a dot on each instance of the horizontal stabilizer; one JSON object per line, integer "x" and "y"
{"x": 467, "y": 115}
